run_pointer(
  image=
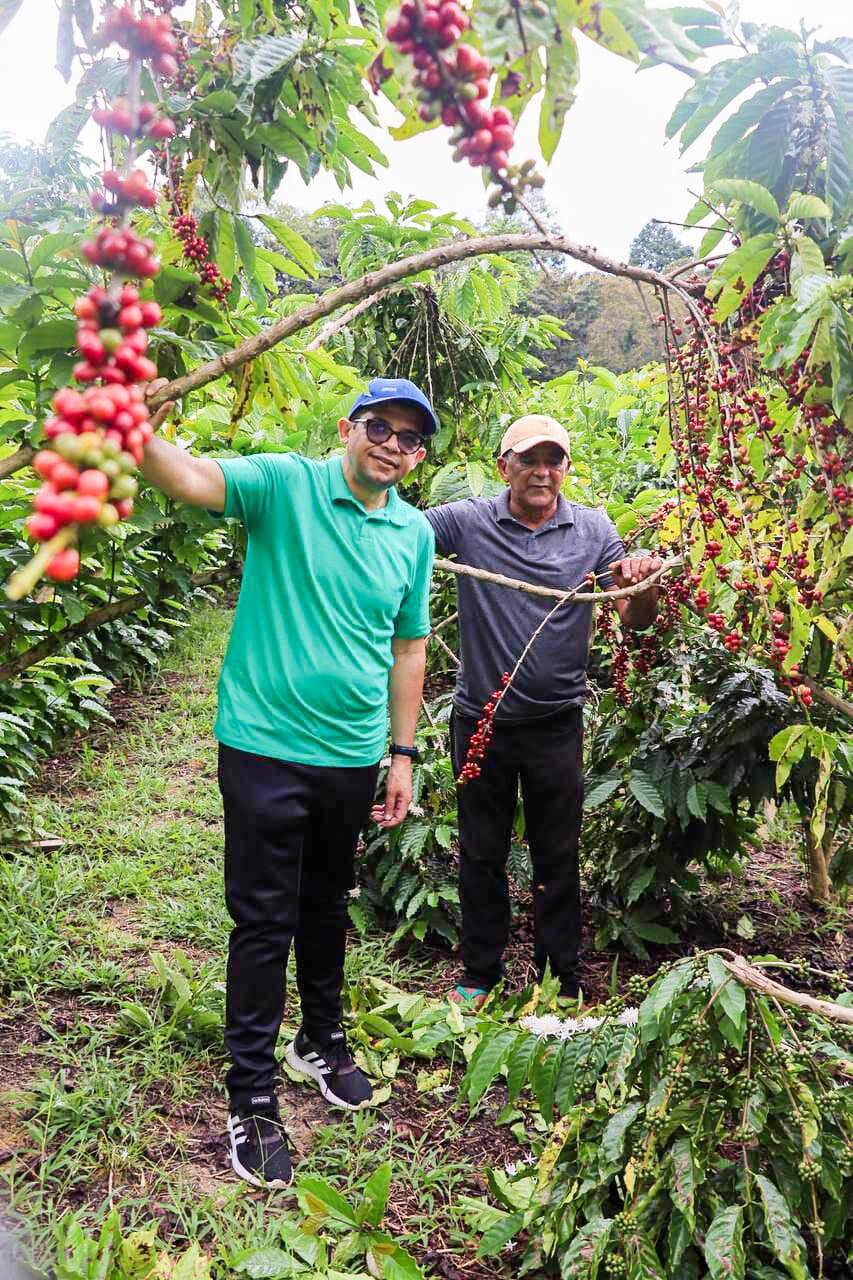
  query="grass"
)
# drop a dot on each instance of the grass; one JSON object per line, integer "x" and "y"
{"x": 111, "y": 1088}
{"x": 112, "y": 951}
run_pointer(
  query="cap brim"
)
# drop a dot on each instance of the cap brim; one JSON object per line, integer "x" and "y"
{"x": 521, "y": 446}
{"x": 430, "y": 422}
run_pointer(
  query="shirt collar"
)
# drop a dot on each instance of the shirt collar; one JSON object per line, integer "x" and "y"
{"x": 563, "y": 514}
{"x": 393, "y": 511}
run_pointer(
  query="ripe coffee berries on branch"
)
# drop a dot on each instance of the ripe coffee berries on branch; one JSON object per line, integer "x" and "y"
{"x": 453, "y": 80}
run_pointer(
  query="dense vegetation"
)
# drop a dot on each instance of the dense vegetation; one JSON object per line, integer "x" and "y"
{"x": 710, "y": 405}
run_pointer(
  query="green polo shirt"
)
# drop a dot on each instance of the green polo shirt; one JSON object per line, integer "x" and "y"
{"x": 327, "y": 585}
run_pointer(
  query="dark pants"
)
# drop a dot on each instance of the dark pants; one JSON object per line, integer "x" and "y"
{"x": 546, "y": 757}
{"x": 290, "y": 836}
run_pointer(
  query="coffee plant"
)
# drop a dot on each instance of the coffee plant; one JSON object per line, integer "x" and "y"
{"x": 705, "y": 1132}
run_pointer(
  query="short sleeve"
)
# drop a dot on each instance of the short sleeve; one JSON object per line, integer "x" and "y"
{"x": 612, "y": 549}
{"x": 446, "y": 525}
{"x": 251, "y": 482}
{"x": 413, "y": 617}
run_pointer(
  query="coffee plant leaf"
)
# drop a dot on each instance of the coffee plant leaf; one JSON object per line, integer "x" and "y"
{"x": 724, "y": 1251}
{"x": 486, "y": 1062}
{"x": 600, "y": 792}
{"x": 582, "y": 1258}
{"x": 788, "y": 1245}
{"x": 499, "y": 1234}
{"x": 613, "y": 1138}
{"x": 750, "y": 193}
{"x": 683, "y": 1179}
{"x": 545, "y": 1079}
{"x": 520, "y": 1063}
{"x": 644, "y": 789}
{"x": 731, "y": 996}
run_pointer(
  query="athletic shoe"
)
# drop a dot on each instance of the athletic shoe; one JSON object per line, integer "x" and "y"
{"x": 340, "y": 1080}
{"x": 259, "y": 1143}
{"x": 471, "y": 997}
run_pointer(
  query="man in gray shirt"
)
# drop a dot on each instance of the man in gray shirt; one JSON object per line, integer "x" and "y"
{"x": 530, "y": 532}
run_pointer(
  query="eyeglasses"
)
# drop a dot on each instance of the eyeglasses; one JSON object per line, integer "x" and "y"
{"x": 378, "y": 431}
{"x": 554, "y": 458}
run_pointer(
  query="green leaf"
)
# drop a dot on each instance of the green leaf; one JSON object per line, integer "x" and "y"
{"x": 245, "y": 245}
{"x": 840, "y": 359}
{"x": 318, "y": 1199}
{"x": 683, "y": 1182}
{"x": 697, "y": 801}
{"x": 519, "y": 1063}
{"x": 652, "y": 932}
{"x": 50, "y": 245}
{"x": 724, "y": 1245}
{"x": 545, "y": 1079}
{"x": 581, "y": 1259}
{"x": 732, "y": 997}
{"x": 613, "y": 1137}
{"x": 786, "y": 1241}
{"x": 267, "y": 1264}
{"x": 802, "y": 207}
{"x": 644, "y": 789}
{"x": 499, "y": 1234}
{"x": 601, "y": 792}
{"x": 747, "y": 115}
{"x": 257, "y": 60}
{"x": 298, "y": 249}
{"x": 561, "y": 81}
{"x": 738, "y": 272}
{"x": 220, "y": 103}
{"x": 488, "y": 1058}
{"x": 751, "y": 193}
{"x": 375, "y": 1197}
{"x": 52, "y": 335}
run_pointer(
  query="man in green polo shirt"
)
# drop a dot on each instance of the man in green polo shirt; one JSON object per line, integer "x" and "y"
{"x": 330, "y": 630}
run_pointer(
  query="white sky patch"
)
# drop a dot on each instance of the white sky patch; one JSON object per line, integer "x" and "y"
{"x": 612, "y": 172}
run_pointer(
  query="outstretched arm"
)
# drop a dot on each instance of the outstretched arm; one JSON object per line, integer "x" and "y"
{"x": 198, "y": 481}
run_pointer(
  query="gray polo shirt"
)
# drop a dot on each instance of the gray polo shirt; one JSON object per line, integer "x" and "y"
{"x": 495, "y": 623}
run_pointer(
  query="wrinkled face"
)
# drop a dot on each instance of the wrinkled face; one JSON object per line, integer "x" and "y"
{"x": 535, "y": 476}
{"x": 377, "y": 463}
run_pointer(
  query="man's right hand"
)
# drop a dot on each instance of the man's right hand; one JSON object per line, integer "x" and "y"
{"x": 198, "y": 481}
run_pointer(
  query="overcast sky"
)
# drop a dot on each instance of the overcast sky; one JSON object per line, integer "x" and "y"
{"x": 612, "y": 171}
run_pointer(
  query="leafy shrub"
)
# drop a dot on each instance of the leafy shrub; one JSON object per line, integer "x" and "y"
{"x": 705, "y": 1134}
{"x": 673, "y": 786}
{"x": 408, "y": 875}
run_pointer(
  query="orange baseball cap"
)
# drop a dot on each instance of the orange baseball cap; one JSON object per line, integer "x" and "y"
{"x": 533, "y": 429}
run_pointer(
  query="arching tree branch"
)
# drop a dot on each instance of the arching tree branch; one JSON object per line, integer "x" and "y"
{"x": 373, "y": 282}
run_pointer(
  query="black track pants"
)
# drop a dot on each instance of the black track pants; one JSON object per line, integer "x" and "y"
{"x": 290, "y": 837}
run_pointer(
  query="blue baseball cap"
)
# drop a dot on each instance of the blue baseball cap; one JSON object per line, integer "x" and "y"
{"x": 380, "y": 390}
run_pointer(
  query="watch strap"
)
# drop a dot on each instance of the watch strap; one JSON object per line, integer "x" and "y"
{"x": 396, "y": 750}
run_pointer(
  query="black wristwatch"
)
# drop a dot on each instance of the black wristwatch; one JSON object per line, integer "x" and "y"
{"x": 396, "y": 750}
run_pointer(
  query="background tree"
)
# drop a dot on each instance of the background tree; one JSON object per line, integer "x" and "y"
{"x": 657, "y": 247}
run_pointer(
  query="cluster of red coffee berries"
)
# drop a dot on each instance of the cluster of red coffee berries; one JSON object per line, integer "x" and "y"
{"x": 482, "y": 735}
{"x": 121, "y": 250}
{"x": 118, "y": 118}
{"x": 197, "y": 250}
{"x": 453, "y": 81}
{"x": 149, "y": 36}
{"x": 112, "y": 338}
{"x": 98, "y": 435}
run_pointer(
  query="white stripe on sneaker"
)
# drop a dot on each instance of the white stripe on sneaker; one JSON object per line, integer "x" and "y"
{"x": 318, "y": 1072}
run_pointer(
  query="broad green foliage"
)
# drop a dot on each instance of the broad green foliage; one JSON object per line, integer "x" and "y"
{"x": 674, "y": 784}
{"x": 711, "y": 1127}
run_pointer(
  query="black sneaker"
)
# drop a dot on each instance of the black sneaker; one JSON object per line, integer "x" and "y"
{"x": 340, "y": 1080}
{"x": 259, "y": 1143}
